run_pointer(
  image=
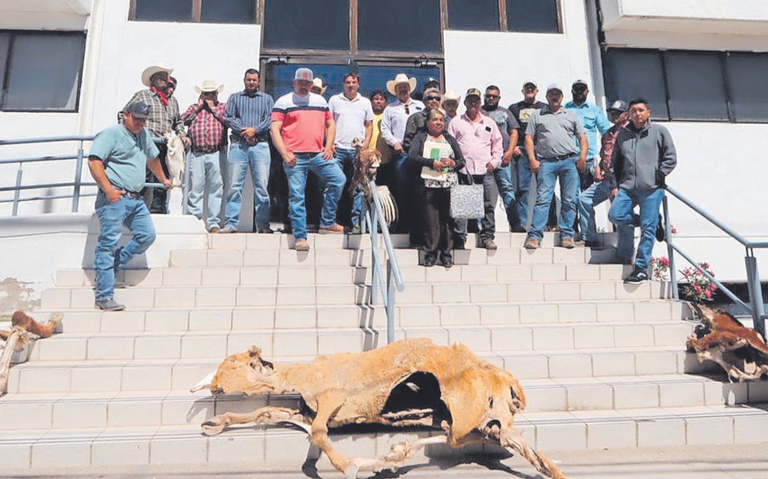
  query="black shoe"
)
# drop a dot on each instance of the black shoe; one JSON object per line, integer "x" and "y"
{"x": 429, "y": 261}
{"x": 459, "y": 244}
{"x": 517, "y": 229}
{"x": 637, "y": 276}
{"x": 446, "y": 261}
{"x": 109, "y": 304}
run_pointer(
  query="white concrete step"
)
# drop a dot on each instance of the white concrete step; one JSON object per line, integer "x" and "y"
{"x": 179, "y": 407}
{"x": 346, "y": 294}
{"x": 307, "y": 275}
{"x": 545, "y": 431}
{"x": 89, "y": 320}
{"x": 480, "y": 338}
{"x": 108, "y": 375}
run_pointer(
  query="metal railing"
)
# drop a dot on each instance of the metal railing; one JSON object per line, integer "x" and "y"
{"x": 394, "y": 277}
{"x": 755, "y": 306}
{"x": 77, "y": 184}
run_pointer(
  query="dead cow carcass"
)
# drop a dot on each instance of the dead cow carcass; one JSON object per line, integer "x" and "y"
{"x": 410, "y": 382}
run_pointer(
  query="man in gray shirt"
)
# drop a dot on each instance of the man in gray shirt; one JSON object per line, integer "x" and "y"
{"x": 553, "y": 129}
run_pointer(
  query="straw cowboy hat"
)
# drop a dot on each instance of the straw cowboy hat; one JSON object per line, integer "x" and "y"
{"x": 151, "y": 70}
{"x": 209, "y": 86}
{"x": 401, "y": 78}
{"x": 318, "y": 82}
{"x": 451, "y": 95}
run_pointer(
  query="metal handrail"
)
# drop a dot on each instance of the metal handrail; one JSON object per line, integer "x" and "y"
{"x": 755, "y": 306}
{"x": 394, "y": 277}
{"x": 77, "y": 184}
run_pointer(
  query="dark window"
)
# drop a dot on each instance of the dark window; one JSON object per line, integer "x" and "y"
{"x": 473, "y": 14}
{"x": 532, "y": 16}
{"x": 279, "y": 78}
{"x": 748, "y": 86}
{"x": 399, "y": 25}
{"x": 5, "y": 43}
{"x": 306, "y": 24}
{"x": 633, "y": 74}
{"x": 228, "y": 11}
{"x": 696, "y": 87}
{"x": 41, "y": 70}
{"x": 164, "y": 10}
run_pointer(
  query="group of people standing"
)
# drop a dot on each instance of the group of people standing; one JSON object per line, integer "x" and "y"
{"x": 490, "y": 145}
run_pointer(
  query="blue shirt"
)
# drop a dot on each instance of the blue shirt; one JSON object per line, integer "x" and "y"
{"x": 124, "y": 156}
{"x": 245, "y": 111}
{"x": 593, "y": 118}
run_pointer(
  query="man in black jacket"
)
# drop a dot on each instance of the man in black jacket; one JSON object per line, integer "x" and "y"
{"x": 643, "y": 156}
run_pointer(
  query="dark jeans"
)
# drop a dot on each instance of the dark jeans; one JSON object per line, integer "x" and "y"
{"x": 488, "y": 221}
{"x": 436, "y": 222}
{"x": 157, "y": 198}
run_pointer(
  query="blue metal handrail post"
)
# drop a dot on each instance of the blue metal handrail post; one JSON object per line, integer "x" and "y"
{"x": 19, "y": 175}
{"x": 374, "y": 264}
{"x": 78, "y": 178}
{"x": 390, "y": 302}
{"x": 670, "y": 249}
{"x": 755, "y": 292}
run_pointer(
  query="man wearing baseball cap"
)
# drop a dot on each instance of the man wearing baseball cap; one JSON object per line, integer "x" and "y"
{"x": 601, "y": 189}
{"x": 164, "y": 118}
{"x": 554, "y": 130}
{"x": 301, "y": 122}
{"x": 118, "y": 160}
{"x": 482, "y": 146}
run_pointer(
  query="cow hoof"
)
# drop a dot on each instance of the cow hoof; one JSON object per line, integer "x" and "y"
{"x": 351, "y": 472}
{"x": 213, "y": 427}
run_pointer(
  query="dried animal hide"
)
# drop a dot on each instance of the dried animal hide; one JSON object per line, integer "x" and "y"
{"x": 175, "y": 158}
{"x": 721, "y": 338}
{"x": 24, "y": 329}
{"x": 367, "y": 162}
{"x": 407, "y": 383}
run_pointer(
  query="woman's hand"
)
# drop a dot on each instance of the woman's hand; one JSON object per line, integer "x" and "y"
{"x": 437, "y": 166}
{"x": 448, "y": 163}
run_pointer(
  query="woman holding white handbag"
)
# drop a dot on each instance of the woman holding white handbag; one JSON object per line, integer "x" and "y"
{"x": 439, "y": 156}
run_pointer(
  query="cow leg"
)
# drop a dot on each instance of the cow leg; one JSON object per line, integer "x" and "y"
{"x": 328, "y": 405}
{"x": 512, "y": 439}
{"x": 264, "y": 416}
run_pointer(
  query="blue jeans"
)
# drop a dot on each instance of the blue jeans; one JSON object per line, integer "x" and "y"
{"x": 132, "y": 213}
{"x": 621, "y": 214}
{"x": 588, "y": 199}
{"x": 240, "y": 158}
{"x": 205, "y": 171}
{"x": 346, "y": 159}
{"x": 503, "y": 176}
{"x": 523, "y": 187}
{"x": 331, "y": 174}
{"x": 569, "y": 181}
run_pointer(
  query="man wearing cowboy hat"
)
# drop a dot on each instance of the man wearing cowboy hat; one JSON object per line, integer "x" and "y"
{"x": 317, "y": 86}
{"x": 393, "y": 130}
{"x": 164, "y": 117}
{"x": 249, "y": 116}
{"x": 207, "y": 124}
{"x": 450, "y": 105}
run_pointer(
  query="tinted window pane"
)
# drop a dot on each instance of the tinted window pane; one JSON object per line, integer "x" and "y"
{"x": 696, "y": 90}
{"x": 399, "y": 25}
{"x": 228, "y": 11}
{"x": 280, "y": 77}
{"x": 5, "y": 41}
{"x": 631, "y": 74}
{"x": 164, "y": 10}
{"x": 748, "y": 81}
{"x": 473, "y": 14}
{"x": 44, "y": 72}
{"x": 306, "y": 24}
{"x": 532, "y": 16}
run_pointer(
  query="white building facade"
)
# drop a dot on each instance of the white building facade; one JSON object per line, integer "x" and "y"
{"x": 68, "y": 67}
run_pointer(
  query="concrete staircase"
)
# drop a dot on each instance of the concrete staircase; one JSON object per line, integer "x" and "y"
{"x": 602, "y": 363}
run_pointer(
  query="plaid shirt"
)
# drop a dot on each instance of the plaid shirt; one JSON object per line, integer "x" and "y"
{"x": 162, "y": 119}
{"x": 207, "y": 129}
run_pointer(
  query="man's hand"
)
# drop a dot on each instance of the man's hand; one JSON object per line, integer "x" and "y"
{"x": 249, "y": 135}
{"x": 507, "y": 158}
{"x": 581, "y": 164}
{"x": 289, "y": 158}
{"x": 167, "y": 183}
{"x": 200, "y": 102}
{"x": 114, "y": 194}
{"x": 328, "y": 152}
{"x": 518, "y": 151}
{"x": 614, "y": 192}
{"x": 398, "y": 148}
{"x": 187, "y": 142}
{"x": 489, "y": 167}
{"x": 598, "y": 173}
{"x": 535, "y": 166}
{"x": 210, "y": 104}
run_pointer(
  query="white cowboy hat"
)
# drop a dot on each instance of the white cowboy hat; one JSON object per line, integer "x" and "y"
{"x": 401, "y": 78}
{"x": 451, "y": 95}
{"x": 318, "y": 82}
{"x": 209, "y": 86}
{"x": 151, "y": 70}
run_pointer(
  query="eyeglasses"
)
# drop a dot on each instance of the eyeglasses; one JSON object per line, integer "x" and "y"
{"x": 433, "y": 98}
{"x": 491, "y": 96}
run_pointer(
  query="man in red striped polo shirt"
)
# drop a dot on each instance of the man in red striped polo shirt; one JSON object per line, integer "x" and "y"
{"x": 301, "y": 124}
